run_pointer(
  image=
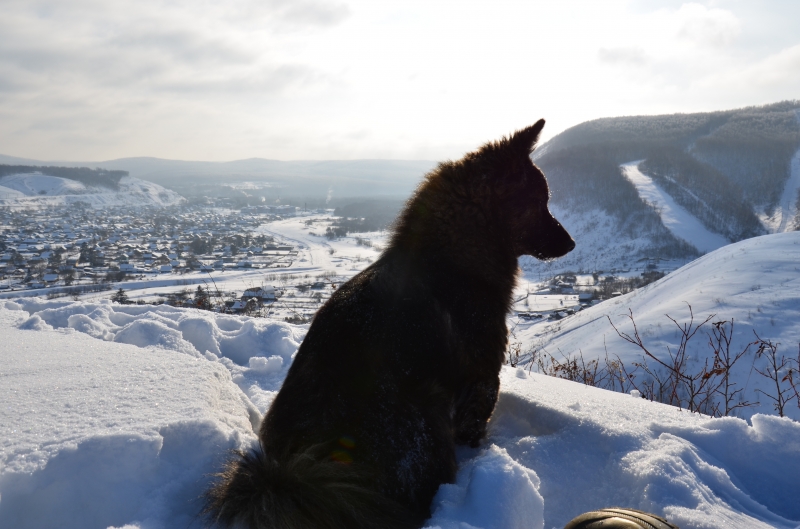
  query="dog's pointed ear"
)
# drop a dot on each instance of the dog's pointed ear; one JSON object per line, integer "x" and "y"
{"x": 525, "y": 139}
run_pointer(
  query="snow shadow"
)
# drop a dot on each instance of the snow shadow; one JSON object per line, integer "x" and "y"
{"x": 515, "y": 417}
{"x": 153, "y": 482}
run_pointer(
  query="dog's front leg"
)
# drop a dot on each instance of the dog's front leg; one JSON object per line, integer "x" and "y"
{"x": 473, "y": 409}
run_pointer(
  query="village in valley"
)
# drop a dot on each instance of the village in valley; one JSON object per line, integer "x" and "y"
{"x": 277, "y": 261}
{"x": 79, "y": 250}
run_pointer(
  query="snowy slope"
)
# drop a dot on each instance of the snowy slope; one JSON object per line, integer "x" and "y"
{"x": 599, "y": 245}
{"x": 677, "y": 220}
{"x": 115, "y": 415}
{"x": 36, "y": 189}
{"x": 756, "y": 282}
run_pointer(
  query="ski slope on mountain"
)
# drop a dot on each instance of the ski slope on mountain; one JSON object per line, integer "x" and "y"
{"x": 679, "y": 221}
{"x": 38, "y": 190}
{"x": 785, "y": 215}
{"x": 755, "y": 282}
{"x": 115, "y": 415}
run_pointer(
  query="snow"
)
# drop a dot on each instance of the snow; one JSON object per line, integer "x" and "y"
{"x": 592, "y": 448}
{"x": 314, "y": 251}
{"x": 38, "y": 190}
{"x": 677, "y": 219}
{"x": 97, "y": 434}
{"x": 755, "y": 282}
{"x": 786, "y": 211}
{"x": 599, "y": 245}
{"x": 115, "y": 415}
{"x": 491, "y": 491}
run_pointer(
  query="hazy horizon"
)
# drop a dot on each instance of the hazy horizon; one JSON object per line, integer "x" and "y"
{"x": 287, "y": 80}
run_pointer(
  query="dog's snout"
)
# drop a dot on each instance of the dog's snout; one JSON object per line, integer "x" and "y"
{"x": 561, "y": 241}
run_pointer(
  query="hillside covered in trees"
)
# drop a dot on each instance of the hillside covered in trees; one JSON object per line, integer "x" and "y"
{"x": 89, "y": 177}
{"x": 726, "y": 168}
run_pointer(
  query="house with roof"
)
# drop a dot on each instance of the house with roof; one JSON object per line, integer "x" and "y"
{"x": 260, "y": 293}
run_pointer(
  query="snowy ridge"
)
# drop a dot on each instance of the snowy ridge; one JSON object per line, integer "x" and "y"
{"x": 114, "y": 415}
{"x": 679, "y": 221}
{"x": 38, "y": 190}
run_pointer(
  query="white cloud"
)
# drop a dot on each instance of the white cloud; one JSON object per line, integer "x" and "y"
{"x": 227, "y": 79}
{"x": 713, "y": 27}
{"x": 775, "y": 77}
{"x": 625, "y": 55}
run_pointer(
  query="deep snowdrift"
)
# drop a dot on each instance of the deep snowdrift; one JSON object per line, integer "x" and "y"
{"x": 115, "y": 415}
{"x": 36, "y": 189}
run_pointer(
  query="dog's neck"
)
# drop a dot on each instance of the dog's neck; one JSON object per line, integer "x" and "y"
{"x": 444, "y": 240}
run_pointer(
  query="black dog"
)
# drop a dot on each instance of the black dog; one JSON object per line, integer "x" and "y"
{"x": 402, "y": 363}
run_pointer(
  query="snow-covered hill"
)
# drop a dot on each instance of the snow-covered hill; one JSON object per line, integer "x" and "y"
{"x": 724, "y": 176}
{"x": 37, "y": 189}
{"x": 600, "y": 245}
{"x": 755, "y": 283}
{"x": 115, "y": 415}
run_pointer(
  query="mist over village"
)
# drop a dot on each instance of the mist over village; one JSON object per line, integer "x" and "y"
{"x": 425, "y": 265}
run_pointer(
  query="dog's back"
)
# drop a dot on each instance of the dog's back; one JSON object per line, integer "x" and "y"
{"x": 402, "y": 363}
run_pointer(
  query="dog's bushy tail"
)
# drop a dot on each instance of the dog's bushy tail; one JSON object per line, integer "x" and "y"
{"x": 255, "y": 491}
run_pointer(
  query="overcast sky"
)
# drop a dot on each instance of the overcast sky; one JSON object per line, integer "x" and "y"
{"x": 341, "y": 79}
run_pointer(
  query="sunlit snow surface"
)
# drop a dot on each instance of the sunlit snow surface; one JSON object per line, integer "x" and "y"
{"x": 115, "y": 415}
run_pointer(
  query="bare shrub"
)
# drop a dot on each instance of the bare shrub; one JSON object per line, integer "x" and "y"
{"x": 703, "y": 384}
{"x": 781, "y": 371}
{"x": 677, "y": 384}
{"x": 608, "y": 374}
{"x": 724, "y": 361}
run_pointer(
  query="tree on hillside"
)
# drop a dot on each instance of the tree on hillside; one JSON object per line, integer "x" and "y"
{"x": 56, "y": 259}
{"x": 68, "y": 275}
{"x": 87, "y": 254}
{"x": 201, "y": 300}
{"x": 193, "y": 262}
{"x": 199, "y": 246}
{"x": 120, "y": 297}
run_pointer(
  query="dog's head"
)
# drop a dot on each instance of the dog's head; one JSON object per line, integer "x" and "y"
{"x": 521, "y": 197}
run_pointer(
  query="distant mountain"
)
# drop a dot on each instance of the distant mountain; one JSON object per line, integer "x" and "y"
{"x": 84, "y": 175}
{"x": 305, "y": 178}
{"x": 37, "y": 186}
{"x": 731, "y": 170}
